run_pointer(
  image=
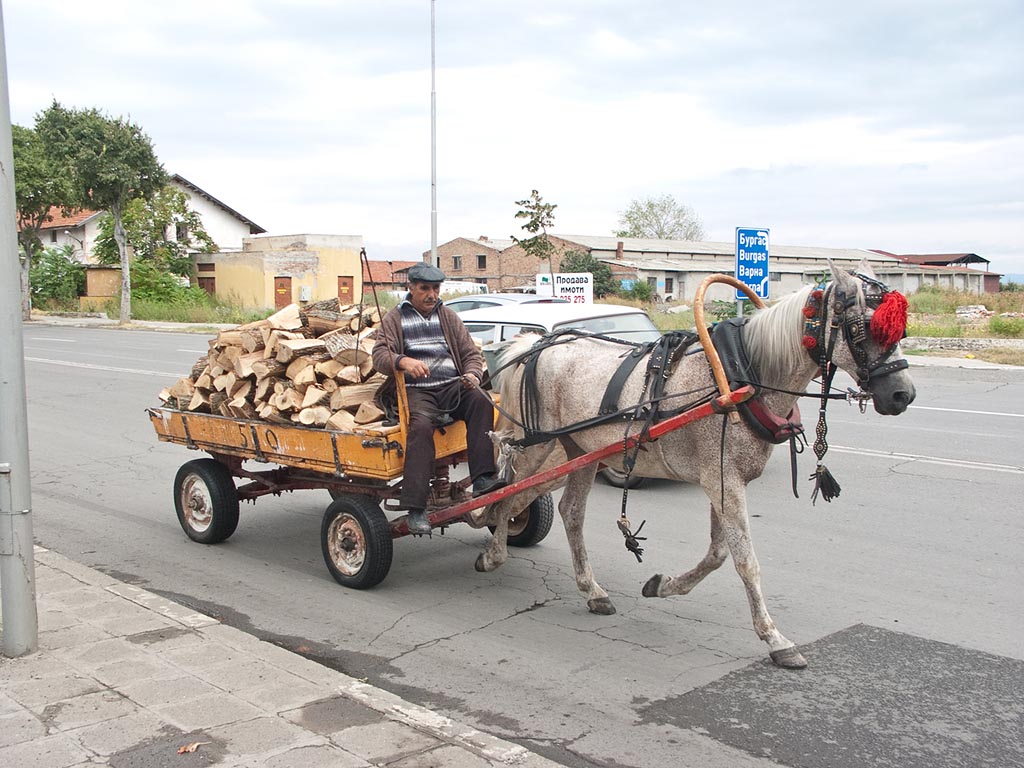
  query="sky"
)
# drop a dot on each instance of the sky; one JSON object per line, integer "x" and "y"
{"x": 888, "y": 124}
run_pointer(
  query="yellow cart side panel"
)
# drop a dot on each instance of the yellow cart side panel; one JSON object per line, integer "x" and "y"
{"x": 317, "y": 450}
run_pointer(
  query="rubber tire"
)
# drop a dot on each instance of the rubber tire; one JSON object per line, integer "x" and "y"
{"x": 618, "y": 479}
{"x": 525, "y": 530}
{"x": 370, "y": 559}
{"x": 206, "y": 488}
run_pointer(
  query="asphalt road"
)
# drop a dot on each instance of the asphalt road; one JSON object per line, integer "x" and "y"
{"x": 904, "y": 593}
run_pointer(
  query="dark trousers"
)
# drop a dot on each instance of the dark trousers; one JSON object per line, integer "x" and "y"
{"x": 426, "y": 410}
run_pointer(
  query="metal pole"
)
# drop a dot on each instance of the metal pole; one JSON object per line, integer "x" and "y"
{"x": 17, "y": 563}
{"x": 433, "y": 149}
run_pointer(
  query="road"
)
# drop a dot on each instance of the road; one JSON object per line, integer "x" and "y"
{"x": 904, "y": 593}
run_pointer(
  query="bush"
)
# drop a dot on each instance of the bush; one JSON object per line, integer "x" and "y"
{"x": 57, "y": 279}
{"x": 951, "y": 329}
{"x": 1007, "y": 327}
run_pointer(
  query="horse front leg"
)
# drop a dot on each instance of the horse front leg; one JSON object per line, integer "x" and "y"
{"x": 736, "y": 528}
{"x": 664, "y": 586}
{"x": 573, "y": 509}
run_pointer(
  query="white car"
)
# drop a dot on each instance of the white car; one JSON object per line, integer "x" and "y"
{"x": 478, "y": 301}
{"x": 496, "y": 326}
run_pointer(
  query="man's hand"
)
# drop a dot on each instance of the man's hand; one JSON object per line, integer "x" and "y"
{"x": 470, "y": 380}
{"x": 413, "y": 367}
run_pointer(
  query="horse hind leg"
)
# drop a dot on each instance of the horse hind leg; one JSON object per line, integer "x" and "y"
{"x": 572, "y": 508}
{"x": 665, "y": 586}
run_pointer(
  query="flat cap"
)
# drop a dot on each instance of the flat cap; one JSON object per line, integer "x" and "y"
{"x": 425, "y": 273}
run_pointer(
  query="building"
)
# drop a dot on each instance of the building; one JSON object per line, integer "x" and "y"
{"x": 226, "y": 226}
{"x": 278, "y": 270}
{"x": 675, "y": 268}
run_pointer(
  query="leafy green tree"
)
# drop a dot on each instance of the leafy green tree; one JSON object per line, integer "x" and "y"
{"x": 57, "y": 277}
{"x": 109, "y": 162}
{"x": 148, "y": 225}
{"x": 581, "y": 261}
{"x": 38, "y": 185}
{"x": 660, "y": 218}
{"x": 539, "y": 217}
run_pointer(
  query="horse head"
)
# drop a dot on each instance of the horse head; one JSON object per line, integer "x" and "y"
{"x": 859, "y": 329}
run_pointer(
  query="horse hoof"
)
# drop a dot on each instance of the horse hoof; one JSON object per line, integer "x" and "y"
{"x": 481, "y": 563}
{"x": 651, "y": 587}
{"x": 789, "y": 658}
{"x": 601, "y": 605}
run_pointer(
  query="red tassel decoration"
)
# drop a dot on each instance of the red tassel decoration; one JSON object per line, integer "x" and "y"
{"x": 889, "y": 323}
{"x": 809, "y": 342}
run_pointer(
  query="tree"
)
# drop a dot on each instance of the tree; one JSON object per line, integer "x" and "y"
{"x": 581, "y": 261}
{"x": 660, "y": 218}
{"x": 539, "y": 216}
{"x": 148, "y": 225}
{"x": 38, "y": 186}
{"x": 58, "y": 277}
{"x": 108, "y": 162}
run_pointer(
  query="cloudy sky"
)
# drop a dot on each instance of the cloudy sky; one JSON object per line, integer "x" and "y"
{"x": 887, "y": 124}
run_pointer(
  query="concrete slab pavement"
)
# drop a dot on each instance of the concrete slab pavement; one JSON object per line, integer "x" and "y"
{"x": 124, "y": 677}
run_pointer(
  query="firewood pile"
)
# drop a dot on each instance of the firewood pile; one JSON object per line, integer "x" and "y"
{"x": 308, "y": 366}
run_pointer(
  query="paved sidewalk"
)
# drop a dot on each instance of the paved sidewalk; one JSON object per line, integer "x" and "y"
{"x": 125, "y": 678}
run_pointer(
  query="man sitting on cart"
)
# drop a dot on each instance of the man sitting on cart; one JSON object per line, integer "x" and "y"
{"x": 443, "y": 369}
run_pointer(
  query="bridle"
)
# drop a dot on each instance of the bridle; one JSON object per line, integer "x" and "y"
{"x": 886, "y": 325}
{"x": 856, "y": 327}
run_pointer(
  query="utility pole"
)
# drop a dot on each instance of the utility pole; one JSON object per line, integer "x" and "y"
{"x": 17, "y": 562}
{"x": 433, "y": 149}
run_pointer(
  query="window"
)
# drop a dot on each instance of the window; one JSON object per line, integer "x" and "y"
{"x": 653, "y": 282}
{"x": 670, "y": 285}
{"x": 206, "y": 267}
{"x": 181, "y": 232}
{"x": 456, "y": 263}
{"x": 774, "y": 277}
{"x": 53, "y": 235}
{"x": 481, "y": 261}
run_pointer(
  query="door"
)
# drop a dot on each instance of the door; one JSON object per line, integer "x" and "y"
{"x": 282, "y": 292}
{"x": 345, "y": 289}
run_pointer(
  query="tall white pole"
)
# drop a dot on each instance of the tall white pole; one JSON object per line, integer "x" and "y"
{"x": 433, "y": 149}
{"x": 17, "y": 563}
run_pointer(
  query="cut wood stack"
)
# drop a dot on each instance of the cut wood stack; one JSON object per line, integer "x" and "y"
{"x": 310, "y": 366}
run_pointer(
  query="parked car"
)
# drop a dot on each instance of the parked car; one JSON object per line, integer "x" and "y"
{"x": 496, "y": 326}
{"x": 464, "y": 303}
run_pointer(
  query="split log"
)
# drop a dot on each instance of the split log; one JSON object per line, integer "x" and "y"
{"x": 306, "y": 376}
{"x": 289, "y": 400}
{"x": 341, "y": 421}
{"x": 289, "y": 349}
{"x": 367, "y": 413}
{"x": 204, "y": 381}
{"x": 252, "y": 339}
{"x": 225, "y": 381}
{"x": 270, "y": 413}
{"x": 315, "y": 416}
{"x": 200, "y": 402}
{"x": 314, "y": 396}
{"x": 350, "y": 374}
{"x": 242, "y": 388}
{"x": 267, "y": 368}
{"x": 352, "y": 396}
{"x": 242, "y": 408}
{"x": 231, "y": 338}
{"x": 297, "y": 365}
{"x": 183, "y": 389}
{"x": 274, "y": 338}
{"x": 286, "y": 319}
{"x": 264, "y": 388}
{"x": 329, "y": 385}
{"x": 328, "y": 368}
{"x": 244, "y": 364}
{"x": 200, "y": 366}
{"x": 344, "y": 347}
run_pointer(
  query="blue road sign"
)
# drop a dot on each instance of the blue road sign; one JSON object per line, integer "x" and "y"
{"x": 752, "y": 261}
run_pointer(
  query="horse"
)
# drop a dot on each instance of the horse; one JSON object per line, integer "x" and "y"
{"x": 812, "y": 331}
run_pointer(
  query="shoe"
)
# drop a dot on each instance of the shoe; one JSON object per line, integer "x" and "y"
{"x": 417, "y": 522}
{"x": 487, "y": 483}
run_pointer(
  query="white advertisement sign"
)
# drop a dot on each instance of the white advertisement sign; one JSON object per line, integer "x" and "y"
{"x": 577, "y": 287}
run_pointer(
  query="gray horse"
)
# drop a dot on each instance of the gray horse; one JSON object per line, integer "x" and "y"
{"x": 788, "y": 344}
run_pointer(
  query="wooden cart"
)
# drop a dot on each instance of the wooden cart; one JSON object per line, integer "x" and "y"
{"x": 362, "y": 471}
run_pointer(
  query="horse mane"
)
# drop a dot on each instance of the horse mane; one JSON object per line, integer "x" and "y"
{"x": 773, "y": 337}
{"x": 517, "y": 347}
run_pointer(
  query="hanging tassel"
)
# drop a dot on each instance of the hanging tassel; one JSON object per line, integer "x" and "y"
{"x": 825, "y": 483}
{"x": 889, "y": 323}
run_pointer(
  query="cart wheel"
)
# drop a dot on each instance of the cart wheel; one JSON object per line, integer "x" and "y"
{"x": 206, "y": 501}
{"x": 356, "y": 541}
{"x": 533, "y": 524}
{"x": 618, "y": 479}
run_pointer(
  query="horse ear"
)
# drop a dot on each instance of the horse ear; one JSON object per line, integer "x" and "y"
{"x": 865, "y": 269}
{"x": 843, "y": 279}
